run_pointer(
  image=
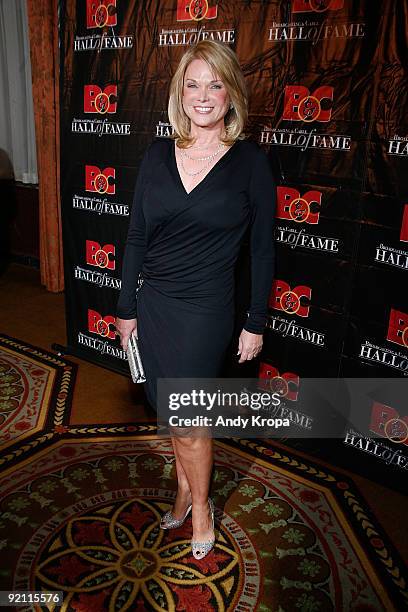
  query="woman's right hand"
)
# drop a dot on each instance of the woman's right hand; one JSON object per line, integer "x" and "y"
{"x": 124, "y": 328}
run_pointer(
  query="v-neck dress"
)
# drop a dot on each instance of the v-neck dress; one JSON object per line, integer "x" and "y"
{"x": 185, "y": 247}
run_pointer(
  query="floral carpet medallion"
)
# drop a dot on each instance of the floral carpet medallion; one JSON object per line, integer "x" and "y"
{"x": 82, "y": 516}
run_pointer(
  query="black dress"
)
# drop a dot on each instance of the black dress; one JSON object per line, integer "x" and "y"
{"x": 186, "y": 246}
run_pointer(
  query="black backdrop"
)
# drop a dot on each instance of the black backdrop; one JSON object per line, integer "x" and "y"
{"x": 329, "y": 105}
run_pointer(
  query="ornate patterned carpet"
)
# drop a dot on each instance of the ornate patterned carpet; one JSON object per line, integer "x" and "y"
{"x": 80, "y": 508}
{"x": 35, "y": 395}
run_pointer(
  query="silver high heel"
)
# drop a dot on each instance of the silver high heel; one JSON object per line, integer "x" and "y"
{"x": 168, "y": 521}
{"x": 201, "y": 549}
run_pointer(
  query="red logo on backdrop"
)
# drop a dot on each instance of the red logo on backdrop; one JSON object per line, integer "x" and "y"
{"x": 404, "y": 225}
{"x": 101, "y": 325}
{"x": 97, "y": 180}
{"x": 100, "y": 13}
{"x": 316, "y": 6}
{"x": 387, "y": 422}
{"x": 291, "y": 205}
{"x": 97, "y": 100}
{"x": 97, "y": 255}
{"x": 195, "y": 10}
{"x": 278, "y": 383}
{"x": 302, "y": 105}
{"x": 398, "y": 327}
{"x": 287, "y": 299}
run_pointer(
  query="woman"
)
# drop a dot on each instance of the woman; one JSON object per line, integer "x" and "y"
{"x": 195, "y": 197}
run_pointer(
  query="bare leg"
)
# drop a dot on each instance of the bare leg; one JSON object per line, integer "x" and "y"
{"x": 196, "y": 457}
{"x": 183, "y": 498}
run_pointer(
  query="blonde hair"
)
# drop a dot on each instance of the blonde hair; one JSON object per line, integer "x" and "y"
{"x": 224, "y": 63}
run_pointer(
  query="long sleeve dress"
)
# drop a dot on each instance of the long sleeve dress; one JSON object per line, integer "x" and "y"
{"x": 185, "y": 245}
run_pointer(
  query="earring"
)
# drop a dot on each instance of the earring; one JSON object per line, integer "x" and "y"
{"x": 231, "y": 106}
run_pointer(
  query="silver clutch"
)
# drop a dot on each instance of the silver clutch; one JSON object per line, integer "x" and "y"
{"x": 135, "y": 361}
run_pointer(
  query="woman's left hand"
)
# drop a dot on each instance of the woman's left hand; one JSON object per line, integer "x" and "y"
{"x": 249, "y": 345}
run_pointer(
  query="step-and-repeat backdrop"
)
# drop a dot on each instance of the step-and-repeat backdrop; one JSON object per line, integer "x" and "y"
{"x": 328, "y": 103}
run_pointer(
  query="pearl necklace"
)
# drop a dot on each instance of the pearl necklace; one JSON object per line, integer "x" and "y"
{"x": 208, "y": 158}
{"x": 220, "y": 147}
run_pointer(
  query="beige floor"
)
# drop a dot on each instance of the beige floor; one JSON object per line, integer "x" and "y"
{"x": 29, "y": 312}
